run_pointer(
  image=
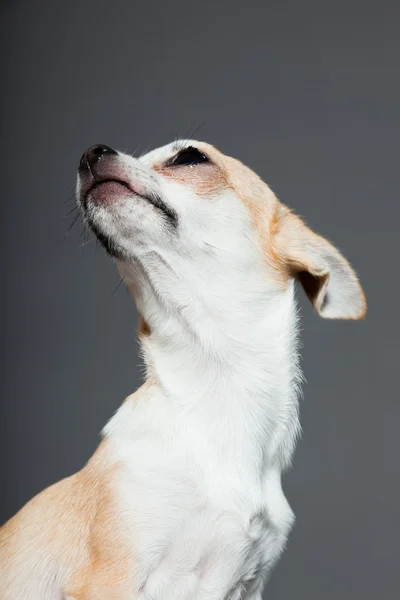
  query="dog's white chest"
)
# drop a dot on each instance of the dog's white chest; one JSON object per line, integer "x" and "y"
{"x": 196, "y": 544}
{"x": 214, "y": 556}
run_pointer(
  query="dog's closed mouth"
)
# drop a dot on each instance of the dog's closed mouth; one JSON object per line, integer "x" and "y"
{"x": 101, "y": 182}
{"x": 153, "y": 199}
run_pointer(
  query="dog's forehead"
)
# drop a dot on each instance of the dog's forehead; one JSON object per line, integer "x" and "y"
{"x": 159, "y": 155}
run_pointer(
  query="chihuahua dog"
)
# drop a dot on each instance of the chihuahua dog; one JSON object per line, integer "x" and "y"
{"x": 182, "y": 500}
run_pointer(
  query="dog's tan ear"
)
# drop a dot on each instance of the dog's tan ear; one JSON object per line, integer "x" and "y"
{"x": 327, "y": 278}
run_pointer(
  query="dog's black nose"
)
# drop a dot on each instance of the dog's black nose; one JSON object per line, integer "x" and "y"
{"x": 94, "y": 153}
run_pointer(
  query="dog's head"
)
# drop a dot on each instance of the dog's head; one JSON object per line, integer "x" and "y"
{"x": 194, "y": 230}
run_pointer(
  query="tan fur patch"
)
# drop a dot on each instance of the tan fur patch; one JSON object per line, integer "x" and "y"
{"x": 294, "y": 239}
{"x": 260, "y": 202}
{"x": 205, "y": 179}
{"x": 143, "y": 329}
{"x": 76, "y": 524}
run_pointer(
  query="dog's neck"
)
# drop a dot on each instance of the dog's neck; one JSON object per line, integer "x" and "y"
{"x": 237, "y": 387}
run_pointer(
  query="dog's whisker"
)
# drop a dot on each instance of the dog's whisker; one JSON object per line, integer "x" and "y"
{"x": 175, "y": 136}
{"x": 187, "y": 134}
{"x": 86, "y": 242}
{"x": 70, "y": 227}
{"x": 85, "y": 231}
{"x": 147, "y": 149}
{"x": 119, "y": 284}
{"x": 70, "y": 197}
{"x": 68, "y": 214}
{"x": 196, "y": 130}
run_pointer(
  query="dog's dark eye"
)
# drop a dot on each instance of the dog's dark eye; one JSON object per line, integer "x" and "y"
{"x": 189, "y": 156}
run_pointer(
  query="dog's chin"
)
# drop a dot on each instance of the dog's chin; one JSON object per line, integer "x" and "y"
{"x": 104, "y": 201}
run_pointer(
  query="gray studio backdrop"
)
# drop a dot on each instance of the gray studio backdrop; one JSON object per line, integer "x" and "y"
{"x": 306, "y": 93}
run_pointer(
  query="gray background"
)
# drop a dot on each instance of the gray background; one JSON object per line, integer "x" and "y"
{"x": 308, "y": 94}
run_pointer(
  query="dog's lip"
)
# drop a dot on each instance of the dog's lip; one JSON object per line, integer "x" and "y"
{"x": 154, "y": 200}
{"x": 97, "y": 182}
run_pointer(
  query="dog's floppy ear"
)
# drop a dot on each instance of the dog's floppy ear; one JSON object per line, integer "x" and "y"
{"x": 327, "y": 278}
